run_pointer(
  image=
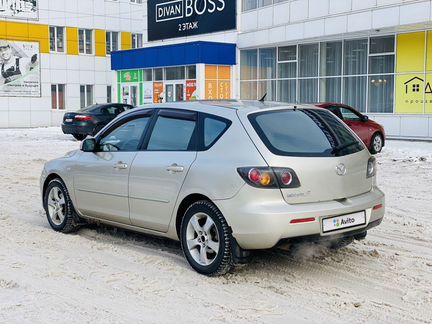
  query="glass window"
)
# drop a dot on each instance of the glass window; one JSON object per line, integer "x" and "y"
{"x": 308, "y": 90}
{"x": 85, "y": 41}
{"x": 248, "y": 90}
{"x": 267, "y": 88}
{"x": 287, "y": 70}
{"x": 86, "y": 95}
{"x": 291, "y": 133}
{"x": 111, "y": 42}
{"x": 330, "y": 89}
{"x": 158, "y": 74}
{"x": 287, "y": 53}
{"x": 331, "y": 59}
{"x": 58, "y": 96}
{"x": 355, "y": 56}
{"x": 248, "y": 64}
{"x": 249, "y": 4}
{"x": 383, "y": 44}
{"x": 267, "y": 63}
{"x": 126, "y": 137}
{"x": 109, "y": 94}
{"x": 148, "y": 75}
{"x": 348, "y": 114}
{"x": 113, "y": 110}
{"x": 262, "y": 3}
{"x": 137, "y": 40}
{"x": 381, "y": 64}
{"x": 175, "y": 73}
{"x": 213, "y": 129}
{"x": 287, "y": 91}
{"x": 191, "y": 72}
{"x": 354, "y": 92}
{"x": 381, "y": 93}
{"x": 172, "y": 134}
{"x": 57, "y": 39}
{"x": 308, "y": 60}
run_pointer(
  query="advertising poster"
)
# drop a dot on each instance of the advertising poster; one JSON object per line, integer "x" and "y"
{"x": 191, "y": 90}
{"x": 19, "y": 69}
{"x": 147, "y": 92}
{"x": 158, "y": 89}
{"x": 19, "y": 9}
{"x": 180, "y": 18}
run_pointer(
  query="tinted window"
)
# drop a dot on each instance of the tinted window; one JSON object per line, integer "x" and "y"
{"x": 301, "y": 133}
{"x": 336, "y": 111}
{"x": 126, "y": 137}
{"x": 213, "y": 129}
{"x": 349, "y": 114}
{"x": 113, "y": 110}
{"x": 92, "y": 108}
{"x": 172, "y": 134}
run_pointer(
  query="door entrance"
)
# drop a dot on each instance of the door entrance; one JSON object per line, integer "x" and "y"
{"x": 130, "y": 95}
{"x": 175, "y": 92}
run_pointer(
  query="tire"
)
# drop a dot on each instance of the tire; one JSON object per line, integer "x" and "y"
{"x": 79, "y": 137}
{"x": 377, "y": 143}
{"x": 206, "y": 239}
{"x": 97, "y": 129}
{"x": 58, "y": 207}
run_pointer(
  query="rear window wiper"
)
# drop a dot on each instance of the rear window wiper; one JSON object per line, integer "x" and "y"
{"x": 343, "y": 146}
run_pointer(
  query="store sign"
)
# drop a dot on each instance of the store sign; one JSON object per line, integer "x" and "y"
{"x": 19, "y": 69}
{"x": 19, "y": 9}
{"x": 158, "y": 89}
{"x": 179, "y": 18}
{"x": 414, "y": 93}
{"x": 129, "y": 76}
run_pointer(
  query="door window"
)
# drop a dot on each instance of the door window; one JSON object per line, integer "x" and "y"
{"x": 126, "y": 137}
{"x": 172, "y": 134}
{"x": 113, "y": 110}
{"x": 336, "y": 111}
{"x": 348, "y": 114}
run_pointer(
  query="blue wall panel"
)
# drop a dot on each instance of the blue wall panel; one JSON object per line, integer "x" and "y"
{"x": 172, "y": 55}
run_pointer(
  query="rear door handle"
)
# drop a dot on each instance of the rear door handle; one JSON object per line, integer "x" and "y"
{"x": 175, "y": 168}
{"x": 120, "y": 166}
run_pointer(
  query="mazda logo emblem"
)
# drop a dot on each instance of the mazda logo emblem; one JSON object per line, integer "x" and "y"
{"x": 341, "y": 169}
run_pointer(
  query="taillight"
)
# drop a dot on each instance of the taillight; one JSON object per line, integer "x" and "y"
{"x": 269, "y": 177}
{"x": 371, "y": 167}
{"x": 82, "y": 118}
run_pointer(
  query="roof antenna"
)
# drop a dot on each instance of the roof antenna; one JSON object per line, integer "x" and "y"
{"x": 263, "y": 98}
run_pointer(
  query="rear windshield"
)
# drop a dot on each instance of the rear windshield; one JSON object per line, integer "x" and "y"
{"x": 89, "y": 108}
{"x": 304, "y": 132}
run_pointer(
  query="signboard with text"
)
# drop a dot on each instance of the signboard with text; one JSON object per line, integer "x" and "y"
{"x": 180, "y": 18}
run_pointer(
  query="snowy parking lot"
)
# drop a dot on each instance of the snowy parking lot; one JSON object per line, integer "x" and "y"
{"x": 104, "y": 275}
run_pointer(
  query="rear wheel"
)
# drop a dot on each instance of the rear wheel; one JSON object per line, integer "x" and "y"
{"x": 206, "y": 239}
{"x": 377, "y": 143}
{"x": 58, "y": 206}
{"x": 79, "y": 137}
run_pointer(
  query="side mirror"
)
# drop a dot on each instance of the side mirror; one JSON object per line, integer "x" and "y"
{"x": 88, "y": 145}
{"x": 364, "y": 118}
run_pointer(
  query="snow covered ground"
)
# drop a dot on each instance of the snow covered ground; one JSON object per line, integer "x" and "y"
{"x": 103, "y": 275}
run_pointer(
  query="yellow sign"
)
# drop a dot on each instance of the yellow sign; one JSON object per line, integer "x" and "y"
{"x": 218, "y": 82}
{"x": 211, "y": 90}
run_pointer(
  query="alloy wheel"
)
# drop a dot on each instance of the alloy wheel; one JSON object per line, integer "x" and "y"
{"x": 56, "y": 206}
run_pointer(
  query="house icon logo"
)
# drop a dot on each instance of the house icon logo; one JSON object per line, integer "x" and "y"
{"x": 416, "y": 85}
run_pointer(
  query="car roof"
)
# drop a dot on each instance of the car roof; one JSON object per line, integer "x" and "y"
{"x": 213, "y": 106}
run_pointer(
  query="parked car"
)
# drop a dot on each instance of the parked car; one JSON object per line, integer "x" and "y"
{"x": 370, "y": 132}
{"x": 224, "y": 178}
{"x": 90, "y": 120}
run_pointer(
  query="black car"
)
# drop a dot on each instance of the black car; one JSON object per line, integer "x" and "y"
{"x": 90, "y": 120}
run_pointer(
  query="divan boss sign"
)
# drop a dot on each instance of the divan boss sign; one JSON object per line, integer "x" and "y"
{"x": 179, "y": 18}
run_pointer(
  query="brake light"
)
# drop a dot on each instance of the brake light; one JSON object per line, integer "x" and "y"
{"x": 82, "y": 118}
{"x": 378, "y": 207}
{"x": 303, "y": 220}
{"x": 260, "y": 177}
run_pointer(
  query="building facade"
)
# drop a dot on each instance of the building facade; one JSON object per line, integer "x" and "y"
{"x": 375, "y": 55}
{"x": 55, "y": 55}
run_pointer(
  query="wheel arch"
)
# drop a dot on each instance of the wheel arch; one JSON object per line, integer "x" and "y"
{"x": 48, "y": 179}
{"x": 184, "y": 205}
{"x": 380, "y": 133}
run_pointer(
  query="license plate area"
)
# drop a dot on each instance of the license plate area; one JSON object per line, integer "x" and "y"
{"x": 68, "y": 120}
{"x": 337, "y": 223}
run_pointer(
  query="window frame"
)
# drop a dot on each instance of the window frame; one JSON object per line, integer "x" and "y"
{"x": 57, "y": 94}
{"x": 109, "y": 49}
{"x": 84, "y": 33}
{"x": 201, "y": 130}
{"x": 56, "y": 40}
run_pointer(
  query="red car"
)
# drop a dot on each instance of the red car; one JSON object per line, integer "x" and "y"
{"x": 370, "y": 132}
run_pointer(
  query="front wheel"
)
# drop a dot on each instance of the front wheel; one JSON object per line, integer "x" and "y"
{"x": 58, "y": 207}
{"x": 206, "y": 239}
{"x": 377, "y": 143}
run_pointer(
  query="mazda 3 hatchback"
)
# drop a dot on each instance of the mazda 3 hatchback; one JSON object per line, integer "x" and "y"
{"x": 223, "y": 178}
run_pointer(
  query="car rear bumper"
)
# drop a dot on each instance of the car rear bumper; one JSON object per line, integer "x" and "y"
{"x": 260, "y": 219}
{"x": 82, "y": 128}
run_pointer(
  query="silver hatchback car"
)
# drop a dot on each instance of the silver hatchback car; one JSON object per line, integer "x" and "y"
{"x": 224, "y": 178}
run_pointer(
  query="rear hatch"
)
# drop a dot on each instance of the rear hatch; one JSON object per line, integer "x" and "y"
{"x": 329, "y": 160}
